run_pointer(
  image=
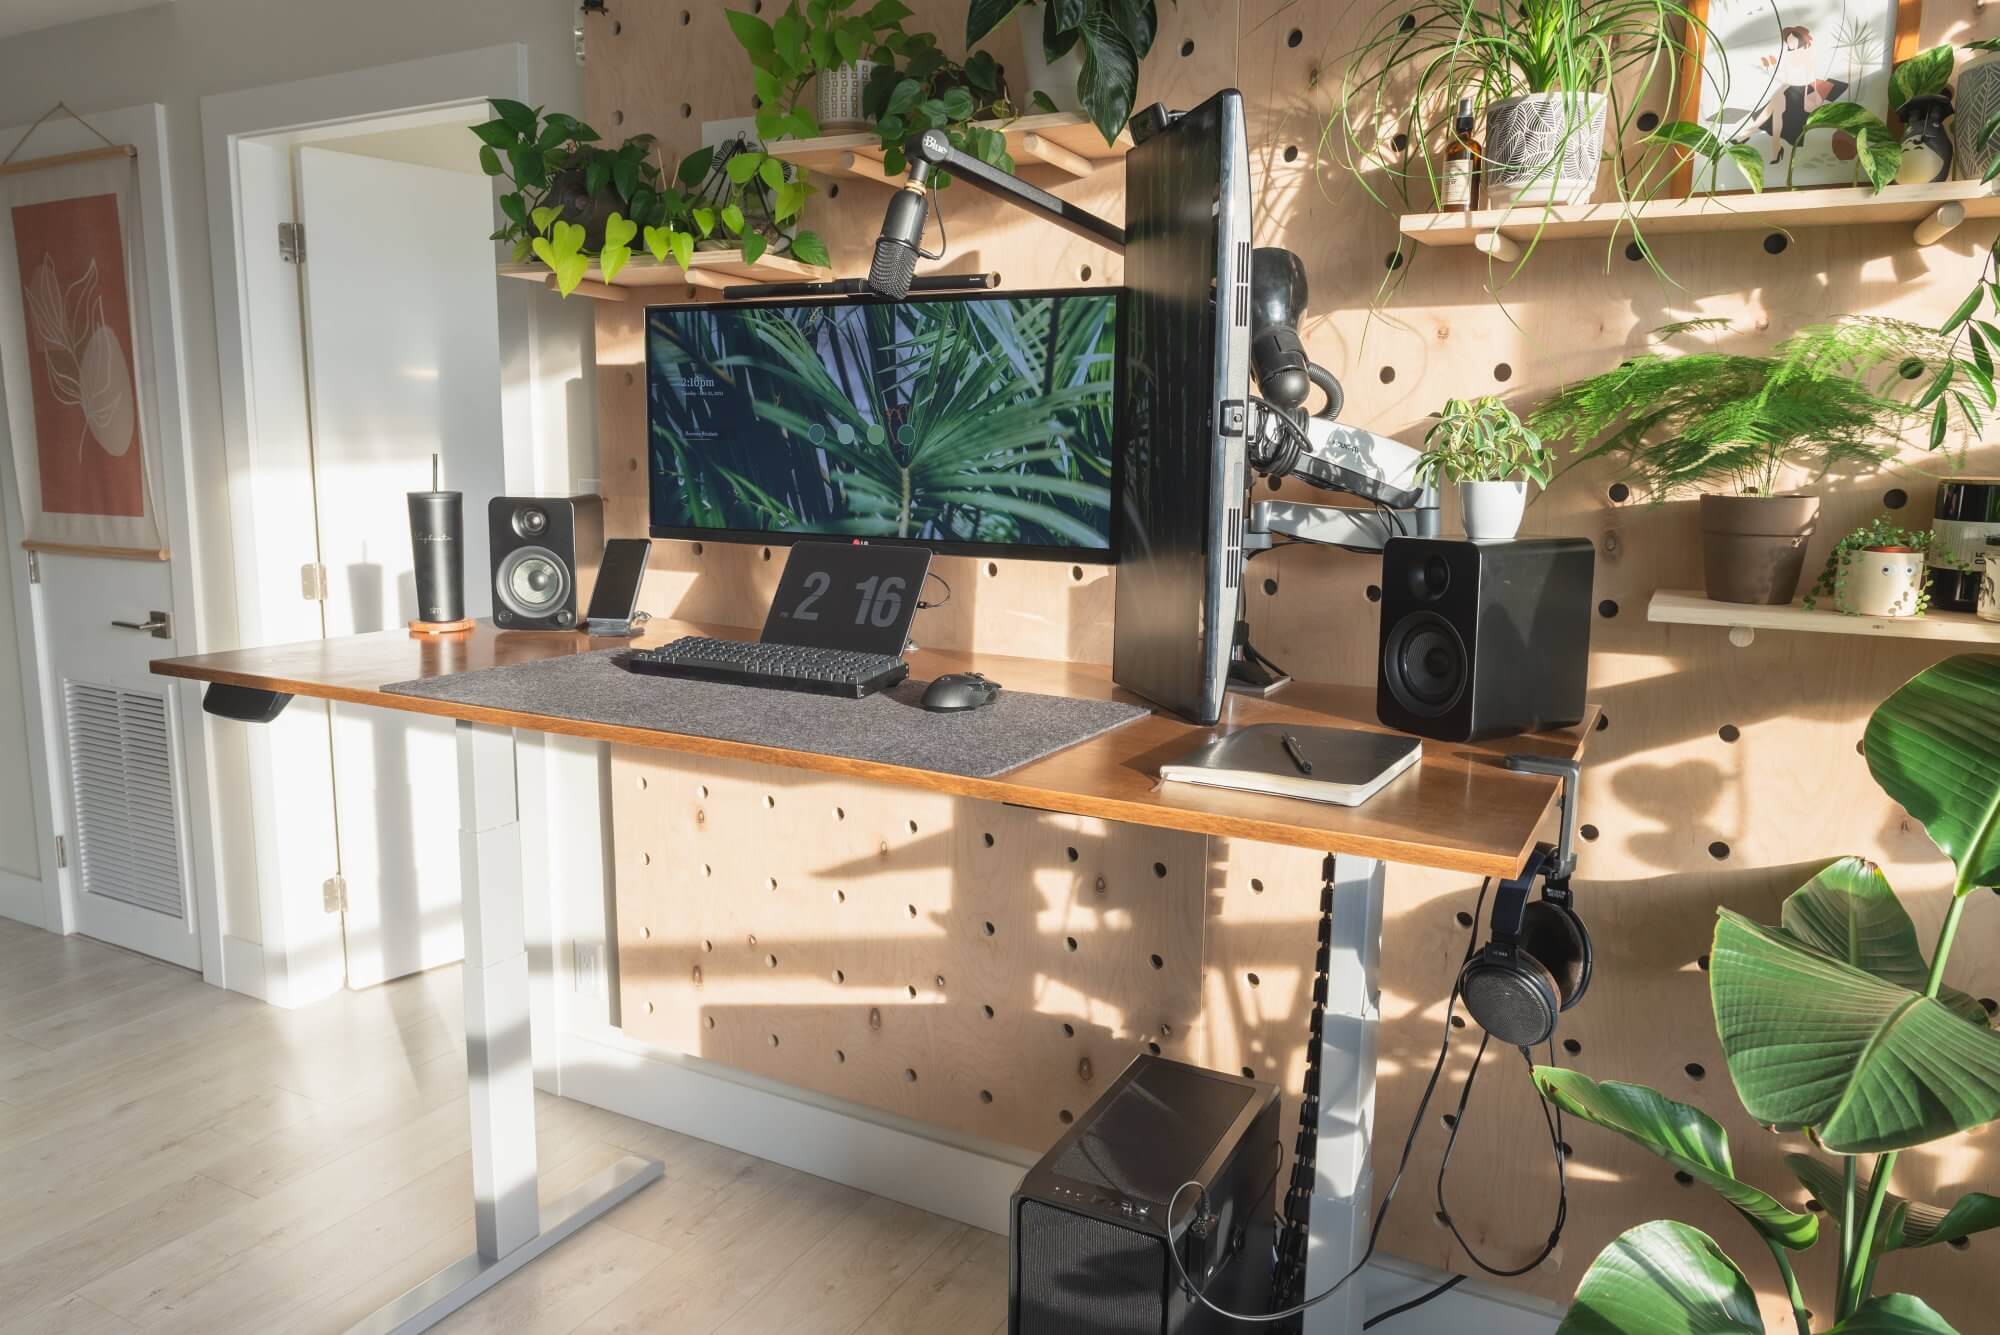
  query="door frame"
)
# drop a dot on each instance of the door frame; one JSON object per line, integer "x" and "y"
{"x": 263, "y": 418}
{"x": 144, "y": 127}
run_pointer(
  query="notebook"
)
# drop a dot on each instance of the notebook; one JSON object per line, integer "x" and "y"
{"x": 1348, "y": 766}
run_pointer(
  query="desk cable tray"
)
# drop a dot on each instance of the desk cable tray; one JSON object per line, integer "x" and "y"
{"x": 889, "y": 728}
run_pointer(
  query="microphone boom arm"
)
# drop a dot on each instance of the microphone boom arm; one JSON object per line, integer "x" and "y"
{"x": 931, "y": 151}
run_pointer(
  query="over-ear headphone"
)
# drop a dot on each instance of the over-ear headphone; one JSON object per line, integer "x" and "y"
{"x": 1537, "y": 960}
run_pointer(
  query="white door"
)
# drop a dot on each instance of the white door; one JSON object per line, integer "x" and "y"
{"x": 119, "y": 753}
{"x": 403, "y": 361}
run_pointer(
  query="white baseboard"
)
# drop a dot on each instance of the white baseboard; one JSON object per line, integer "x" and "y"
{"x": 22, "y": 900}
{"x": 243, "y": 968}
{"x": 955, "y": 1176}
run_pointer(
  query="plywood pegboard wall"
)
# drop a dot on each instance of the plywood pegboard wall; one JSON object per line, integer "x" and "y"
{"x": 1722, "y": 775}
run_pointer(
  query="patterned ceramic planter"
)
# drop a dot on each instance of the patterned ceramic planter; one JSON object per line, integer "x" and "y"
{"x": 1544, "y": 148}
{"x": 1977, "y": 100}
{"x": 837, "y": 96}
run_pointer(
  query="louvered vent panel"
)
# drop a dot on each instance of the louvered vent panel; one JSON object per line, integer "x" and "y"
{"x": 121, "y": 779}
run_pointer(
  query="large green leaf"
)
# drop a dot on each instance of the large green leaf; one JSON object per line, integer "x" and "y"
{"x": 983, "y": 16}
{"x": 1663, "y": 1278}
{"x": 1815, "y": 1042}
{"x": 1905, "y": 1223}
{"x": 1849, "y": 912}
{"x": 1934, "y": 746}
{"x": 1110, "y": 78}
{"x": 1685, "y": 1137}
{"x": 1894, "y": 1314}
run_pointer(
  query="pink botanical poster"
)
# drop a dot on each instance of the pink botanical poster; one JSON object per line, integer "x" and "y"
{"x": 79, "y": 327}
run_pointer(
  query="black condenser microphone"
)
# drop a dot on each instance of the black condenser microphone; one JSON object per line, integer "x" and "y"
{"x": 895, "y": 262}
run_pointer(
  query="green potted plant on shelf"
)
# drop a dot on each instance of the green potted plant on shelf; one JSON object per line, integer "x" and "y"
{"x": 828, "y": 47}
{"x": 1485, "y": 449}
{"x": 1729, "y": 426}
{"x": 923, "y": 89}
{"x": 577, "y": 201}
{"x": 1878, "y": 570}
{"x": 1834, "y": 1024}
{"x": 1542, "y": 69}
{"x": 1114, "y": 37}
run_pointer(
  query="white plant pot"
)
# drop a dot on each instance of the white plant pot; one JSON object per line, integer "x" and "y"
{"x": 1037, "y": 74}
{"x": 1544, "y": 148}
{"x": 1976, "y": 100}
{"x": 1882, "y": 584}
{"x": 1492, "y": 510}
{"x": 837, "y": 96}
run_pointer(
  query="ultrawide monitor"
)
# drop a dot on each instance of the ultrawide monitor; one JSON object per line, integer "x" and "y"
{"x": 983, "y": 424}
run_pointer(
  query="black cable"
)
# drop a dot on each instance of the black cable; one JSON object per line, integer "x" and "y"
{"x": 923, "y": 606}
{"x": 1388, "y": 1196}
{"x": 1562, "y": 1177}
{"x": 1414, "y": 1303}
{"x": 1286, "y": 453}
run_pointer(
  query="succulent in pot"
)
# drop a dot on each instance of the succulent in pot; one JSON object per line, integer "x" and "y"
{"x": 1878, "y": 570}
{"x": 1730, "y": 427}
{"x": 1483, "y": 447}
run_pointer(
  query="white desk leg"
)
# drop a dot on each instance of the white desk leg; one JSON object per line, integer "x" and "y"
{"x": 1342, "y": 1207}
{"x": 512, "y": 1229}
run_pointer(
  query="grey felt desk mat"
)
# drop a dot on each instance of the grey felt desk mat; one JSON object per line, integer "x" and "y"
{"x": 889, "y": 727}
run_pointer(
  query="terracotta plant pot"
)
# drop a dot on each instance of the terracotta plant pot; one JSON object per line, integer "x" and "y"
{"x": 1753, "y": 548}
{"x": 1882, "y": 582}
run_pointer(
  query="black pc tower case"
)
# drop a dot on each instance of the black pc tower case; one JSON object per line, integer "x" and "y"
{"x": 1088, "y": 1239}
{"x": 1187, "y": 379}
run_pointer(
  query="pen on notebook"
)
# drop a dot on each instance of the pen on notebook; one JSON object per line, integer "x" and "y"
{"x": 1298, "y": 756}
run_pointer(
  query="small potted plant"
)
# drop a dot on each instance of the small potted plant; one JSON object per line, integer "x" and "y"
{"x": 923, "y": 89}
{"x": 827, "y": 46}
{"x": 1114, "y": 37}
{"x": 1729, "y": 427}
{"x": 1480, "y": 445}
{"x": 1920, "y": 91}
{"x": 1878, "y": 570}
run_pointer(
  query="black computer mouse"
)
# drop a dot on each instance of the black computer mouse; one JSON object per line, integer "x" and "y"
{"x": 956, "y": 691}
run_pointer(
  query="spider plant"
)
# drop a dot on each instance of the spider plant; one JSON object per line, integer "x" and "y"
{"x": 970, "y": 421}
{"x": 1400, "y": 91}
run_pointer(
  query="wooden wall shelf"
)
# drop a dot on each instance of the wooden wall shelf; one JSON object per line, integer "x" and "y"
{"x": 1744, "y": 620}
{"x": 711, "y": 269}
{"x": 1934, "y": 209}
{"x": 1062, "y": 146}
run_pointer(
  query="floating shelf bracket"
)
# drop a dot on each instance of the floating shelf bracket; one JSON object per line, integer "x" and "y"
{"x": 1933, "y": 229}
{"x": 1498, "y": 246}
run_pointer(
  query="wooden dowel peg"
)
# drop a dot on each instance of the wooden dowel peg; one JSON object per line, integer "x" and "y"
{"x": 1041, "y": 149}
{"x": 1934, "y": 228}
{"x": 1498, "y": 246}
{"x": 1742, "y": 636}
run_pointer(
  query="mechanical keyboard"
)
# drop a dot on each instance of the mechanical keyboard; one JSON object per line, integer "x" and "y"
{"x": 780, "y": 667}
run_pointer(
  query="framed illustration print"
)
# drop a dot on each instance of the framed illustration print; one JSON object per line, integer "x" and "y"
{"x": 1766, "y": 65}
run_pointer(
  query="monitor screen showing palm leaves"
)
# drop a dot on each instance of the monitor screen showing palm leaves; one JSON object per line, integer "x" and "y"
{"x": 982, "y": 423}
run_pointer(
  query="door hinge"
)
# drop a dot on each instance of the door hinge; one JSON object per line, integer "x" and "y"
{"x": 312, "y": 582}
{"x": 34, "y": 568}
{"x": 292, "y": 242}
{"x": 62, "y": 854}
{"x": 333, "y": 894}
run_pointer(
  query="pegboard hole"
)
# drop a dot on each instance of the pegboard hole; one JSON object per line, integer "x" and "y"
{"x": 988, "y": 839}
{"x": 1649, "y": 121}
{"x": 833, "y": 191}
{"x": 1589, "y": 833}
{"x": 1076, "y": 573}
{"x": 1373, "y": 593}
{"x": 1070, "y": 941}
{"x": 1388, "y": 375}
{"x": 1634, "y": 251}
{"x": 1696, "y": 1071}
{"x": 1503, "y": 372}
{"x": 1187, "y": 49}
{"x": 1083, "y": 274}
{"x": 1253, "y": 979}
{"x": 1895, "y": 498}
{"x": 840, "y": 896}
{"x": 1682, "y": 1176}
{"x": 1160, "y": 870}
{"x": 1568, "y": 1152}
{"x": 771, "y": 882}
{"x": 1401, "y": 143}
{"x": 1449, "y": 1120}
{"x": 686, "y": 18}
{"x": 1158, "y": 963}
{"x": 708, "y": 947}
{"x": 910, "y": 1074}
{"x": 697, "y": 549}
{"x": 1152, "y": 1047}
{"x": 1458, "y": 1022}
{"x": 1619, "y": 493}
{"x": 770, "y": 802}
{"x": 840, "y": 813}
{"x": 1291, "y": 152}
{"x": 989, "y": 929}
{"x": 645, "y": 933}
{"x": 913, "y": 827}
{"x": 992, "y": 567}
{"x": 1775, "y": 243}
{"x": 1729, "y": 732}
{"x": 1069, "y": 1030}
{"x": 1959, "y": 1244}
{"x": 1718, "y": 850}
{"x": 1572, "y": 1047}
{"x": 1070, "y": 853}
{"x": 770, "y": 961}
{"x": 939, "y": 980}
{"x": 1990, "y": 1004}
{"x": 1294, "y": 37}
{"x": 1256, "y": 886}
{"x": 1603, "y": 722}
{"x": 709, "y": 1020}
{"x": 986, "y": 1096}
{"x": 1464, "y": 918}
{"x": 1701, "y": 962}
{"x": 687, "y": 111}
{"x": 1608, "y": 608}
{"x": 617, "y": 28}
{"x": 1393, "y": 262}
{"x": 839, "y": 1056}
{"x": 1065, "y": 1117}
{"x": 773, "y": 1039}
{"x": 988, "y": 1010}
{"x": 913, "y": 909}
{"x": 839, "y": 975}
{"x": 911, "y": 988}
{"x": 767, "y": 553}
{"x": 617, "y": 117}
{"x": 643, "y": 785}
{"x": 1249, "y": 1073}
{"x": 649, "y": 1008}
{"x": 1270, "y": 587}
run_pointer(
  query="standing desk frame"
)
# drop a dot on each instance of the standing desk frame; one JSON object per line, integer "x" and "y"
{"x": 1460, "y": 810}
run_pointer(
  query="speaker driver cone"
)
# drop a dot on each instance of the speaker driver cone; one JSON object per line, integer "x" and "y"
{"x": 1424, "y": 664}
{"x": 532, "y": 581}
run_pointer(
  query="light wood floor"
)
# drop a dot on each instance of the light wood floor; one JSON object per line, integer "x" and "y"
{"x": 178, "y": 1158}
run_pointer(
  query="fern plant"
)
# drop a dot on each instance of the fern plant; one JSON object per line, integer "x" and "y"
{"x": 1828, "y": 397}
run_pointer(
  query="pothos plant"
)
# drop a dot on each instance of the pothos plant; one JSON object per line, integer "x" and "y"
{"x": 575, "y": 199}
{"x": 1879, "y": 534}
{"x": 1832, "y": 1023}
